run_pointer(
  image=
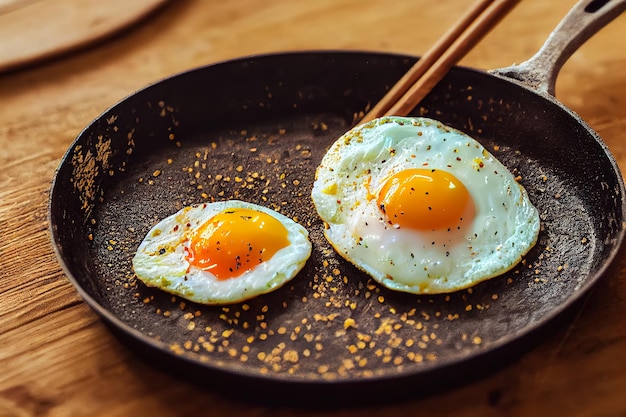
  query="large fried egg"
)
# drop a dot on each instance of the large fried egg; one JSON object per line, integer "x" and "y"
{"x": 421, "y": 207}
{"x": 222, "y": 252}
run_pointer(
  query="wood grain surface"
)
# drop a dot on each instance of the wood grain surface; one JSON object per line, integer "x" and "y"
{"x": 56, "y": 356}
{"x": 35, "y": 30}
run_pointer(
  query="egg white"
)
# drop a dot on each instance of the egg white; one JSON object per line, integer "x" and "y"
{"x": 160, "y": 258}
{"x": 504, "y": 227}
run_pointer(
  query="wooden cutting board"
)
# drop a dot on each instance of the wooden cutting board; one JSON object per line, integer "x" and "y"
{"x": 34, "y": 30}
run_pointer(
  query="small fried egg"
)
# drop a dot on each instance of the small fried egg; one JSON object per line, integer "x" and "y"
{"x": 222, "y": 252}
{"x": 422, "y": 207}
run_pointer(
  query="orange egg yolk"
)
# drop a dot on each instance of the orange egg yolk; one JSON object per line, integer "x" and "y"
{"x": 423, "y": 199}
{"x": 235, "y": 241}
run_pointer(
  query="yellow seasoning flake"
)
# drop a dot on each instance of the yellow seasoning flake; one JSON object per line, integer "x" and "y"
{"x": 331, "y": 189}
{"x": 291, "y": 356}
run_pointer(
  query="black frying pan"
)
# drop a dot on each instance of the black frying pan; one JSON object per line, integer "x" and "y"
{"x": 255, "y": 129}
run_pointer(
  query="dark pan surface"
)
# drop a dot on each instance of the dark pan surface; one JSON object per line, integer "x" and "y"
{"x": 255, "y": 129}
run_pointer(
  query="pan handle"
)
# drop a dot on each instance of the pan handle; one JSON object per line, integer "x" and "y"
{"x": 585, "y": 19}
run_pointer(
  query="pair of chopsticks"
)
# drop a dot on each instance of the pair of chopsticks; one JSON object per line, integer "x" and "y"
{"x": 439, "y": 59}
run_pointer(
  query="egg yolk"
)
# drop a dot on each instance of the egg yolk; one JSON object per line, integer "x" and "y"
{"x": 235, "y": 241}
{"x": 423, "y": 199}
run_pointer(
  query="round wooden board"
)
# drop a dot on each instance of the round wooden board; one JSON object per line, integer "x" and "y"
{"x": 33, "y": 30}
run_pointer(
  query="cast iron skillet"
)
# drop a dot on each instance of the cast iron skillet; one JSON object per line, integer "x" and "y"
{"x": 255, "y": 129}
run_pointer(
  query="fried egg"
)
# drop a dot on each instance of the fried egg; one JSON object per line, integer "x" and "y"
{"x": 222, "y": 252}
{"x": 421, "y": 207}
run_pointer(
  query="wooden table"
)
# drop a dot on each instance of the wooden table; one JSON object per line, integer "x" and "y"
{"x": 58, "y": 359}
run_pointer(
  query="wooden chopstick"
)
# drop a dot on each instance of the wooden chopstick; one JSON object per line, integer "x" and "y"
{"x": 437, "y": 61}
